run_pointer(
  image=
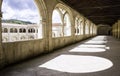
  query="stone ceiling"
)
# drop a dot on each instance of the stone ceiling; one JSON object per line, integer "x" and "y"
{"x": 98, "y": 11}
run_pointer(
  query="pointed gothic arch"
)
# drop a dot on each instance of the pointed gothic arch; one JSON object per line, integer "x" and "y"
{"x": 66, "y": 18}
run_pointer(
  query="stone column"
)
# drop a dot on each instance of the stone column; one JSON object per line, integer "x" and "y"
{"x": 1, "y": 50}
{"x": 89, "y": 26}
{"x": 119, "y": 29}
{"x": 95, "y": 30}
{"x": 116, "y": 30}
{"x": 113, "y": 30}
{"x": 92, "y": 29}
{"x": 84, "y": 24}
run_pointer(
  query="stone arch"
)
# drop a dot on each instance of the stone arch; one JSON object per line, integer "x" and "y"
{"x": 31, "y": 30}
{"x": 43, "y": 20}
{"x": 15, "y": 30}
{"x": 5, "y": 30}
{"x": 41, "y": 8}
{"x": 11, "y": 30}
{"x": 58, "y": 10}
{"x": 60, "y": 5}
{"x": 22, "y": 30}
{"x": 67, "y": 11}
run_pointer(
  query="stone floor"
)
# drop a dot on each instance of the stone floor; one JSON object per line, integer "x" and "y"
{"x": 100, "y": 46}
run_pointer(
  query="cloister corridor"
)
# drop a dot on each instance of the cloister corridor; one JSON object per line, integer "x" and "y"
{"x": 97, "y": 56}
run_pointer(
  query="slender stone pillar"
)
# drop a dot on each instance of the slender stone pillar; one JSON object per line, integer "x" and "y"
{"x": 119, "y": 29}
{"x": 1, "y": 50}
{"x": 89, "y": 26}
{"x": 84, "y": 24}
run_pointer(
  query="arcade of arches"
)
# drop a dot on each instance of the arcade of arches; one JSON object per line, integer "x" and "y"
{"x": 61, "y": 26}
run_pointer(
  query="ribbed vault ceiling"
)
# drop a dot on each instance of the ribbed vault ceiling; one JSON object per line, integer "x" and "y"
{"x": 98, "y": 11}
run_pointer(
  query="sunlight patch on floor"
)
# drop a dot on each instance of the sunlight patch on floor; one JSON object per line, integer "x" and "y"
{"x": 87, "y": 50}
{"x": 92, "y": 46}
{"x": 100, "y": 38}
{"x": 77, "y": 64}
{"x": 96, "y": 42}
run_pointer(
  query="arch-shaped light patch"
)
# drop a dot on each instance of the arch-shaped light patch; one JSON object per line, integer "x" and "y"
{"x": 78, "y": 64}
{"x": 89, "y": 48}
{"x": 80, "y": 49}
{"x": 92, "y": 46}
{"x": 95, "y": 42}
